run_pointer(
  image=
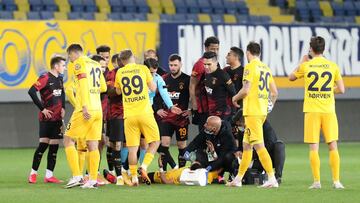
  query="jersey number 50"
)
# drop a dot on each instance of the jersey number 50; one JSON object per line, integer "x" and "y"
{"x": 264, "y": 77}
{"x": 135, "y": 85}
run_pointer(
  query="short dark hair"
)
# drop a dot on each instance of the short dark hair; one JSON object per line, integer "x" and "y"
{"x": 55, "y": 60}
{"x": 97, "y": 58}
{"x": 317, "y": 44}
{"x": 239, "y": 52}
{"x": 151, "y": 63}
{"x": 210, "y": 55}
{"x": 103, "y": 48}
{"x": 211, "y": 40}
{"x": 114, "y": 58}
{"x": 74, "y": 47}
{"x": 254, "y": 48}
{"x": 125, "y": 55}
{"x": 174, "y": 57}
{"x": 195, "y": 165}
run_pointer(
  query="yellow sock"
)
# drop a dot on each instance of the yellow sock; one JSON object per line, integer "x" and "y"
{"x": 94, "y": 159}
{"x": 133, "y": 170}
{"x": 245, "y": 162}
{"x": 147, "y": 160}
{"x": 73, "y": 160}
{"x": 265, "y": 161}
{"x": 334, "y": 160}
{"x": 87, "y": 160}
{"x": 315, "y": 165}
{"x": 82, "y": 159}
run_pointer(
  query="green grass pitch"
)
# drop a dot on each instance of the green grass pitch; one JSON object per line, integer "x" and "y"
{"x": 16, "y": 163}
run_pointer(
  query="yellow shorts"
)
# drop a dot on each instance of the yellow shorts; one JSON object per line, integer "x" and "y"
{"x": 327, "y": 122}
{"x": 134, "y": 126}
{"x": 81, "y": 145}
{"x": 79, "y": 128}
{"x": 254, "y": 129}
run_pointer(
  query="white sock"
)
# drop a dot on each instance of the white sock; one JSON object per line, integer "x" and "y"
{"x": 143, "y": 166}
{"x": 48, "y": 173}
{"x": 33, "y": 172}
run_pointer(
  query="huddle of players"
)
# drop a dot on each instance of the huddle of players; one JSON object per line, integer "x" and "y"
{"x": 210, "y": 89}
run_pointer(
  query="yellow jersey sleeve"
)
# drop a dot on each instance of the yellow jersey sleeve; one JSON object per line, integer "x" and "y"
{"x": 117, "y": 80}
{"x": 149, "y": 77}
{"x": 337, "y": 75}
{"x": 248, "y": 73}
{"x": 103, "y": 86}
{"x": 299, "y": 73}
{"x": 70, "y": 85}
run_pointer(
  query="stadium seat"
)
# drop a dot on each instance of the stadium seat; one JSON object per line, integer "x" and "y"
{"x": 127, "y": 16}
{"x": 90, "y": 6}
{"x": 114, "y": 16}
{"x": 357, "y": 19}
{"x": 242, "y": 8}
{"x": 153, "y": 17}
{"x": 36, "y": 5}
{"x": 6, "y": 15}
{"x": 218, "y": 6}
{"x": 242, "y": 18}
{"x": 282, "y": 19}
{"x": 100, "y": 16}
{"x": 180, "y": 6}
{"x": 192, "y": 18}
{"x": 23, "y": 6}
{"x": 47, "y": 15}
{"x": 88, "y": 16}
{"x": 9, "y": 5}
{"x": 166, "y": 18}
{"x": 50, "y": 5}
{"x": 229, "y": 18}
{"x": 19, "y": 15}
{"x": 33, "y": 15}
{"x": 142, "y": 6}
{"x": 116, "y": 6}
{"x": 281, "y": 3}
{"x": 337, "y": 8}
{"x": 349, "y": 19}
{"x": 357, "y": 6}
{"x": 130, "y": 6}
{"x": 74, "y": 15}
{"x": 60, "y": 16}
{"x": 193, "y": 6}
{"x": 205, "y": 6}
{"x": 76, "y": 6}
{"x": 140, "y": 16}
{"x": 349, "y": 8}
{"x": 217, "y": 18}
{"x": 326, "y": 8}
{"x": 179, "y": 17}
{"x": 204, "y": 18}
{"x": 64, "y": 6}
{"x": 103, "y": 6}
{"x": 230, "y": 6}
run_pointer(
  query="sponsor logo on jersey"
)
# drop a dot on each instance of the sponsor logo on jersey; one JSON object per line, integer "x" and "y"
{"x": 57, "y": 92}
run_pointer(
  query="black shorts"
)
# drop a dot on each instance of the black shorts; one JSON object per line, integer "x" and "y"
{"x": 50, "y": 129}
{"x": 104, "y": 128}
{"x": 167, "y": 129}
{"x": 115, "y": 130}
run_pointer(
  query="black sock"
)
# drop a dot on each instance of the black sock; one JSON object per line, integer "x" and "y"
{"x": 181, "y": 159}
{"x": 163, "y": 157}
{"x": 109, "y": 158}
{"x": 38, "y": 155}
{"x": 117, "y": 162}
{"x": 51, "y": 158}
{"x": 169, "y": 158}
{"x": 126, "y": 164}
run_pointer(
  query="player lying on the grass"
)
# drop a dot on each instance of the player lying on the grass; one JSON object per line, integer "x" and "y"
{"x": 86, "y": 120}
{"x": 215, "y": 146}
{"x": 52, "y": 111}
{"x": 275, "y": 147}
{"x": 173, "y": 176}
{"x": 322, "y": 80}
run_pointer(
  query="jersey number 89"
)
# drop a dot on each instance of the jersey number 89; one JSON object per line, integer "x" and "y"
{"x": 135, "y": 85}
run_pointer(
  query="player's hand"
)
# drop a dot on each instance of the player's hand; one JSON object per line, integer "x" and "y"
{"x": 186, "y": 113}
{"x": 235, "y": 102}
{"x": 62, "y": 113}
{"x": 162, "y": 113}
{"x": 210, "y": 146}
{"x": 176, "y": 110}
{"x": 86, "y": 114}
{"x": 305, "y": 58}
{"x": 47, "y": 113}
{"x": 270, "y": 106}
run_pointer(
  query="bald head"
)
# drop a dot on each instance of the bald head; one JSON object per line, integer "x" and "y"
{"x": 213, "y": 124}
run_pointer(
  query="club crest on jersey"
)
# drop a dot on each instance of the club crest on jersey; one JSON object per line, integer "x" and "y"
{"x": 77, "y": 66}
{"x": 236, "y": 76}
{"x": 213, "y": 81}
{"x": 246, "y": 72}
{"x": 181, "y": 85}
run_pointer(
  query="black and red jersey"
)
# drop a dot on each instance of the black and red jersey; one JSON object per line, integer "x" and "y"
{"x": 236, "y": 76}
{"x": 104, "y": 99}
{"x": 115, "y": 105}
{"x": 178, "y": 89}
{"x": 51, "y": 90}
{"x": 198, "y": 72}
{"x": 218, "y": 87}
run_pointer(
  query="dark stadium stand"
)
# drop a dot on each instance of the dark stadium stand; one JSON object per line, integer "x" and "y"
{"x": 203, "y": 11}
